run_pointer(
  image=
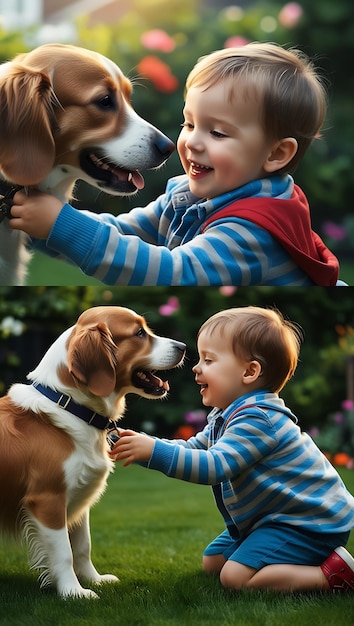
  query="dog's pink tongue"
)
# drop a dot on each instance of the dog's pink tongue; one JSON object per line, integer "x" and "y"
{"x": 138, "y": 180}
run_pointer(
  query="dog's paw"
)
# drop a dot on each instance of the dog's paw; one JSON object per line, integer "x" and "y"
{"x": 106, "y": 578}
{"x": 79, "y": 593}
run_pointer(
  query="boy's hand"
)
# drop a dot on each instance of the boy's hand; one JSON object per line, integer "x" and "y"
{"x": 132, "y": 447}
{"x": 35, "y": 213}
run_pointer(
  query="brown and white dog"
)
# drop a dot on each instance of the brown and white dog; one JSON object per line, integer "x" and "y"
{"x": 53, "y": 450}
{"x": 65, "y": 114}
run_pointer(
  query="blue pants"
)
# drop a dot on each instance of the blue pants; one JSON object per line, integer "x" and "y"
{"x": 277, "y": 543}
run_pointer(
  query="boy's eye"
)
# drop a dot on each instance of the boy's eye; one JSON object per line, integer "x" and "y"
{"x": 187, "y": 125}
{"x": 217, "y": 134}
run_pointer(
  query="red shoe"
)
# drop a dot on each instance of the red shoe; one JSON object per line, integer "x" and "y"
{"x": 339, "y": 570}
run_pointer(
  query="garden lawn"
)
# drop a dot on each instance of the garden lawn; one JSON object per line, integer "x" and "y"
{"x": 150, "y": 531}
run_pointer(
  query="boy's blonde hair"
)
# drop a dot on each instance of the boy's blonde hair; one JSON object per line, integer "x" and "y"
{"x": 293, "y": 98}
{"x": 262, "y": 335}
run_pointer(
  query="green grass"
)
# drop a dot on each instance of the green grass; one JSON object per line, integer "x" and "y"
{"x": 150, "y": 531}
{"x": 43, "y": 270}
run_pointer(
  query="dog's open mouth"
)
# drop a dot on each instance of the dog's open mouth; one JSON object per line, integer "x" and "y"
{"x": 110, "y": 176}
{"x": 147, "y": 381}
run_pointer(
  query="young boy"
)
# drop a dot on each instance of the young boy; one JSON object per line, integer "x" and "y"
{"x": 236, "y": 216}
{"x": 285, "y": 508}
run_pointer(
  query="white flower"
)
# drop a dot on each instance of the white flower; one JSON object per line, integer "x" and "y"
{"x": 11, "y": 326}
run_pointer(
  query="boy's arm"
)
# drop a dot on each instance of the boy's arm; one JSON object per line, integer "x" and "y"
{"x": 237, "y": 449}
{"x": 245, "y": 442}
{"x": 138, "y": 447}
{"x": 227, "y": 254}
{"x": 36, "y": 213}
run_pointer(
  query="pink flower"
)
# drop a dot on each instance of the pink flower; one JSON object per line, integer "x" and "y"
{"x": 334, "y": 231}
{"x": 338, "y": 418}
{"x": 290, "y": 14}
{"x": 314, "y": 431}
{"x": 348, "y": 405}
{"x": 227, "y": 291}
{"x": 159, "y": 73}
{"x": 236, "y": 42}
{"x": 158, "y": 40}
{"x": 170, "y": 307}
{"x": 198, "y": 418}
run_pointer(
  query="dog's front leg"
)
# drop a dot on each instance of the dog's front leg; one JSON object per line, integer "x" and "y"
{"x": 49, "y": 544}
{"x": 60, "y": 564}
{"x": 80, "y": 539}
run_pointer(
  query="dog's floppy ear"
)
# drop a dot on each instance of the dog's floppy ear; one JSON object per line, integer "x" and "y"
{"x": 27, "y": 120}
{"x": 92, "y": 358}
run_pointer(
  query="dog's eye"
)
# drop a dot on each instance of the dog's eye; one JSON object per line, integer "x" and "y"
{"x": 141, "y": 333}
{"x": 106, "y": 102}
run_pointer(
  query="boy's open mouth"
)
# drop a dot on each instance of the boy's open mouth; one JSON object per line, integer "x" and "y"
{"x": 197, "y": 168}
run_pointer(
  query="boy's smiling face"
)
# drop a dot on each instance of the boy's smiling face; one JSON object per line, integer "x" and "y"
{"x": 222, "y": 144}
{"x": 220, "y": 374}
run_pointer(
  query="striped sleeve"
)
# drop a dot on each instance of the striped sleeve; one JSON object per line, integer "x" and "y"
{"x": 269, "y": 471}
{"x": 231, "y": 253}
{"x": 239, "y": 448}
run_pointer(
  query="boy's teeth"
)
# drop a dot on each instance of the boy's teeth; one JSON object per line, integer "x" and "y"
{"x": 201, "y": 167}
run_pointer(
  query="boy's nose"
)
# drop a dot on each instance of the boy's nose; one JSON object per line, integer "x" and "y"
{"x": 193, "y": 141}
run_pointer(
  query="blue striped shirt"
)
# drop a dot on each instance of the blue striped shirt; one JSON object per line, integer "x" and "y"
{"x": 267, "y": 469}
{"x": 162, "y": 244}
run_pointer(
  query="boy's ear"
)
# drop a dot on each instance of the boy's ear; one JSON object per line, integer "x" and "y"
{"x": 282, "y": 153}
{"x": 252, "y": 372}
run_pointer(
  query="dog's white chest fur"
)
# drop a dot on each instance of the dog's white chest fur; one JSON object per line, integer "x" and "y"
{"x": 86, "y": 472}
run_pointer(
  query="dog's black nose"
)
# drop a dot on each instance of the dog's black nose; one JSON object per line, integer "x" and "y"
{"x": 164, "y": 145}
{"x": 180, "y": 346}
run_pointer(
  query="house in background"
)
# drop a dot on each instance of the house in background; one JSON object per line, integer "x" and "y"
{"x": 22, "y": 14}
{"x": 99, "y": 11}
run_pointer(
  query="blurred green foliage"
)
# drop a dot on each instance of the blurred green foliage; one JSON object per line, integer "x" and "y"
{"x": 316, "y": 391}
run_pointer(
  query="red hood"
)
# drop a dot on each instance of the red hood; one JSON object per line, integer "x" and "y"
{"x": 289, "y": 222}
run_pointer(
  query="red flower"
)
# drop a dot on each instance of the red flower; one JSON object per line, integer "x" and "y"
{"x": 159, "y": 73}
{"x": 341, "y": 458}
{"x": 184, "y": 432}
